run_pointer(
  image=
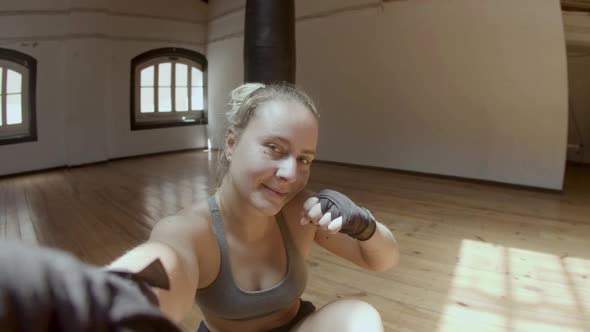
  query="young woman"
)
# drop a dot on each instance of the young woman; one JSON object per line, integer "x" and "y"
{"x": 241, "y": 255}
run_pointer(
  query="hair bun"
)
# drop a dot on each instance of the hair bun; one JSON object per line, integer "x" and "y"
{"x": 239, "y": 95}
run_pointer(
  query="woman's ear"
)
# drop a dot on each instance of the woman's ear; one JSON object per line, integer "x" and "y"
{"x": 230, "y": 142}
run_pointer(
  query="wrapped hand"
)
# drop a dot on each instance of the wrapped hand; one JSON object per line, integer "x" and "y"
{"x": 335, "y": 212}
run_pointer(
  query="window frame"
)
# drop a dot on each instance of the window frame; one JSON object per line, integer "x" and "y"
{"x": 26, "y": 66}
{"x": 141, "y": 121}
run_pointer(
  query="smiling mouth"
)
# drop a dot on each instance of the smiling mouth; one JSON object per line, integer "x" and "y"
{"x": 276, "y": 193}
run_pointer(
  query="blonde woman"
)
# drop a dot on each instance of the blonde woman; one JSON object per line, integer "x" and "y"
{"x": 241, "y": 254}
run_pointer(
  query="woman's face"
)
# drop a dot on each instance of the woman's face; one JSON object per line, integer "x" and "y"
{"x": 270, "y": 161}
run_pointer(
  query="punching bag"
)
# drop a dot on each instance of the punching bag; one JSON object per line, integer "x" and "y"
{"x": 269, "y": 41}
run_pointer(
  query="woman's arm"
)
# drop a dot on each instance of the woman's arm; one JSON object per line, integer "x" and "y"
{"x": 350, "y": 231}
{"x": 173, "y": 242}
{"x": 379, "y": 253}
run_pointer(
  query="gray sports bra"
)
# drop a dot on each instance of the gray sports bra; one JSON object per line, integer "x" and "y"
{"x": 225, "y": 299}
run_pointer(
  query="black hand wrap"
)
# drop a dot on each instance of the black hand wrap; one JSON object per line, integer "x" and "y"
{"x": 357, "y": 222}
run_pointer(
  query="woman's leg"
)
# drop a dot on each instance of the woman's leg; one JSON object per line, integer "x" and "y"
{"x": 344, "y": 315}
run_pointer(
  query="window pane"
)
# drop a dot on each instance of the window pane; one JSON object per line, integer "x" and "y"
{"x": 197, "y": 99}
{"x": 181, "y": 74}
{"x": 147, "y": 100}
{"x": 181, "y": 99}
{"x": 197, "y": 77}
{"x": 164, "y": 74}
{"x": 13, "y": 82}
{"x": 1, "y": 80}
{"x": 147, "y": 76}
{"x": 14, "y": 113}
{"x": 165, "y": 100}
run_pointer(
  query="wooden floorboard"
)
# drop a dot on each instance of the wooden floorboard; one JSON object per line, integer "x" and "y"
{"x": 475, "y": 256}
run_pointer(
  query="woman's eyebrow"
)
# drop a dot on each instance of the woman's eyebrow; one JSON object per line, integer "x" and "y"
{"x": 287, "y": 142}
{"x": 309, "y": 152}
{"x": 276, "y": 137}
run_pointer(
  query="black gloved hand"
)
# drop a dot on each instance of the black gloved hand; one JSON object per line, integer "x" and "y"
{"x": 43, "y": 289}
{"x": 357, "y": 222}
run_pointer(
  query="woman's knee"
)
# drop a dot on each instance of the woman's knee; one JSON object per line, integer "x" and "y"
{"x": 361, "y": 316}
{"x": 344, "y": 316}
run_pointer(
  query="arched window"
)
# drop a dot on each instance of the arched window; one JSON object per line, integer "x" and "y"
{"x": 168, "y": 88}
{"x": 17, "y": 97}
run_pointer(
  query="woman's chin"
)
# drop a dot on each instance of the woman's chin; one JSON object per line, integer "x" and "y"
{"x": 268, "y": 207}
{"x": 271, "y": 209}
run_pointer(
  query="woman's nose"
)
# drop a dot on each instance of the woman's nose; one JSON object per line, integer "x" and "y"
{"x": 287, "y": 170}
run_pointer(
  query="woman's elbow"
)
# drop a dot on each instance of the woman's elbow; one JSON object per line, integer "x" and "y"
{"x": 388, "y": 262}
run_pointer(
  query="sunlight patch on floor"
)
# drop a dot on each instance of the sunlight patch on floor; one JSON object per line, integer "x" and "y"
{"x": 497, "y": 288}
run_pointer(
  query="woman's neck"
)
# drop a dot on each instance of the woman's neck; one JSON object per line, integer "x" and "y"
{"x": 240, "y": 218}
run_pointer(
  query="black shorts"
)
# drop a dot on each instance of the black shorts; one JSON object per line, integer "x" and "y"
{"x": 305, "y": 309}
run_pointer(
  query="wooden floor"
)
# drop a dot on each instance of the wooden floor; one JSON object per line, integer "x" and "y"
{"x": 475, "y": 257}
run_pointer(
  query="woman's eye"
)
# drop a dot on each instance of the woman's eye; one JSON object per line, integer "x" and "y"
{"x": 305, "y": 161}
{"x": 274, "y": 148}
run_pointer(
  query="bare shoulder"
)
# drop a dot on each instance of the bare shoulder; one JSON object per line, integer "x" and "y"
{"x": 175, "y": 240}
{"x": 184, "y": 228}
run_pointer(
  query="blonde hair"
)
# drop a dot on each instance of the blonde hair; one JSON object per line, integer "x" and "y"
{"x": 243, "y": 103}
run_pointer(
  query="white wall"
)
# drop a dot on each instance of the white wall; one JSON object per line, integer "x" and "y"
{"x": 226, "y": 72}
{"x": 84, "y": 50}
{"x": 445, "y": 87}
{"x": 225, "y": 53}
